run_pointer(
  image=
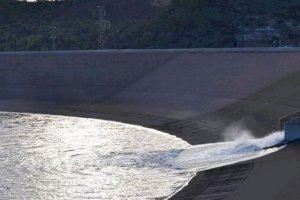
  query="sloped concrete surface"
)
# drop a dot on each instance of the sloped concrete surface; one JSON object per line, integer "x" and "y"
{"x": 194, "y": 94}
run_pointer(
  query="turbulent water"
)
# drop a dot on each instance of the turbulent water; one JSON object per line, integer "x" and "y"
{"x": 57, "y": 157}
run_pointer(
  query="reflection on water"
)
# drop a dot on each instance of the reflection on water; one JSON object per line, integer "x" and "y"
{"x": 57, "y": 157}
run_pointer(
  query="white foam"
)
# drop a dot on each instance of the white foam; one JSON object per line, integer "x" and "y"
{"x": 208, "y": 156}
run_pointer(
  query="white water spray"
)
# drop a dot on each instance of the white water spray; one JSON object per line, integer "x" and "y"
{"x": 208, "y": 156}
{"x": 237, "y": 132}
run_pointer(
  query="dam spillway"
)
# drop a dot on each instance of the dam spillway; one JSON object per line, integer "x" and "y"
{"x": 160, "y": 88}
{"x": 193, "y": 94}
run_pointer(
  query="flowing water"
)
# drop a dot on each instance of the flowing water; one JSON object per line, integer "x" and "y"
{"x": 58, "y": 157}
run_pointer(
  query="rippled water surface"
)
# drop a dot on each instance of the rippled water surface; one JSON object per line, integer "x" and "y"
{"x": 58, "y": 157}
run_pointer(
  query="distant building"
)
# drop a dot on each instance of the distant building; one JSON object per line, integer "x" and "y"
{"x": 258, "y": 37}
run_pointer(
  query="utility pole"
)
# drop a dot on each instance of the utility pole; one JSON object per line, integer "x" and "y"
{"x": 103, "y": 25}
{"x": 53, "y": 34}
{"x": 14, "y": 42}
{"x": 242, "y": 33}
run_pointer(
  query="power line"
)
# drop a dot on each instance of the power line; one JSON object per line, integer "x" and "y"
{"x": 53, "y": 35}
{"x": 103, "y": 25}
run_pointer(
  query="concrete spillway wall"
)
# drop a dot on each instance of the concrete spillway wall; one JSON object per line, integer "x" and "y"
{"x": 177, "y": 89}
{"x": 194, "y": 94}
{"x": 72, "y": 76}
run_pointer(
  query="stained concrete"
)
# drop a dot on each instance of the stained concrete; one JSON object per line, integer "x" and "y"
{"x": 193, "y": 94}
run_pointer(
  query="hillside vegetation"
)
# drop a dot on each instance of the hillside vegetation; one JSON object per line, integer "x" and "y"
{"x": 142, "y": 23}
